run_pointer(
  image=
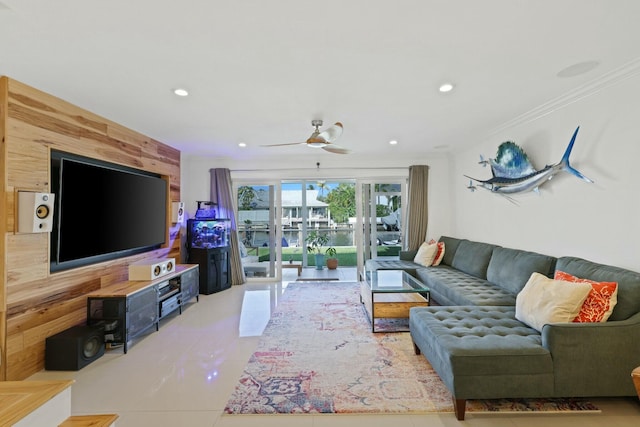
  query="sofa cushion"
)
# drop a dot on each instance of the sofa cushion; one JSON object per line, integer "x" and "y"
{"x": 449, "y": 286}
{"x": 628, "y": 282}
{"x": 599, "y": 303}
{"x": 544, "y": 301}
{"x": 426, "y": 254}
{"x": 451, "y": 246}
{"x": 473, "y": 258}
{"x": 511, "y": 268}
{"x": 439, "y": 253}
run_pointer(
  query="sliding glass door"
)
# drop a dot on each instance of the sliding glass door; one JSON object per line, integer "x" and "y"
{"x": 359, "y": 220}
{"x": 318, "y": 208}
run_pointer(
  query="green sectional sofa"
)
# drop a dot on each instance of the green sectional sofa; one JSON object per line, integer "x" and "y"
{"x": 482, "y": 351}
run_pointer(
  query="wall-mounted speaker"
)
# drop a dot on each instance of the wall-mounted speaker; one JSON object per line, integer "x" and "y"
{"x": 35, "y": 212}
{"x": 74, "y": 348}
{"x": 151, "y": 269}
{"x": 177, "y": 212}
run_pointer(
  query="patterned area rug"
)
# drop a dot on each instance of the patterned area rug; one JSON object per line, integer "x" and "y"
{"x": 318, "y": 355}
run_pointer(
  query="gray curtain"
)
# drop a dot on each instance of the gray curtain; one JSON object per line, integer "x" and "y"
{"x": 417, "y": 207}
{"x": 222, "y": 194}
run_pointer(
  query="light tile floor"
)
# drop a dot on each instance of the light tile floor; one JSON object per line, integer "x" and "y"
{"x": 183, "y": 374}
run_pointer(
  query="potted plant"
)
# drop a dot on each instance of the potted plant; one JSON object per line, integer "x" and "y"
{"x": 332, "y": 261}
{"x": 315, "y": 242}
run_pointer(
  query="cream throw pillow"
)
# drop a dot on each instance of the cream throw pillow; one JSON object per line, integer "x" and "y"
{"x": 426, "y": 254}
{"x": 544, "y": 300}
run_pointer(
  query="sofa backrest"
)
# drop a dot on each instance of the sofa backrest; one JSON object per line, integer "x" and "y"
{"x": 472, "y": 257}
{"x": 628, "y": 282}
{"x": 450, "y": 247}
{"x": 511, "y": 268}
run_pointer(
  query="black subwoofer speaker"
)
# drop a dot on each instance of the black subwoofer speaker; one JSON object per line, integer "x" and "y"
{"x": 74, "y": 348}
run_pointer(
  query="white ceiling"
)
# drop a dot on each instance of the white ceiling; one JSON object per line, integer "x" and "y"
{"x": 259, "y": 71}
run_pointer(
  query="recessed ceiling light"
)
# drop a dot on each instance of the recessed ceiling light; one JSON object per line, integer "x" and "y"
{"x": 242, "y": 144}
{"x": 446, "y": 87}
{"x": 393, "y": 142}
{"x": 577, "y": 69}
{"x": 181, "y": 92}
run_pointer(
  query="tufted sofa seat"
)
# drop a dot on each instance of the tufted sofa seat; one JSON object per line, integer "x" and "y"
{"x": 469, "y": 345}
{"x": 404, "y": 263}
{"x": 451, "y": 286}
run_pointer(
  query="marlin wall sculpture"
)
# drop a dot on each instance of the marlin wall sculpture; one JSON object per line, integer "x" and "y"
{"x": 513, "y": 172}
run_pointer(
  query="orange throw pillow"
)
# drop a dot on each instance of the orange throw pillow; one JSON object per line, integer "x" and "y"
{"x": 599, "y": 303}
{"x": 439, "y": 253}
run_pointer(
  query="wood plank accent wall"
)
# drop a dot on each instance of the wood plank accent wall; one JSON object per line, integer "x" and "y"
{"x": 34, "y": 303}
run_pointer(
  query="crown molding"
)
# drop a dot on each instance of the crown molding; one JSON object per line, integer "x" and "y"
{"x": 614, "y": 77}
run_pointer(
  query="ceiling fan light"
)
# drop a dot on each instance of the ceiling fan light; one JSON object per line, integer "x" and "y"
{"x": 316, "y": 141}
{"x": 316, "y": 144}
{"x": 181, "y": 92}
{"x": 446, "y": 87}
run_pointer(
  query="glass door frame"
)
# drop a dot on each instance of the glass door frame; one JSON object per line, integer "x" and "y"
{"x": 361, "y": 245}
{"x": 304, "y": 212}
{"x": 275, "y": 206}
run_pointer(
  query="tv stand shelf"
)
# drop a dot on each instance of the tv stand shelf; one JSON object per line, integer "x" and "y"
{"x": 128, "y": 309}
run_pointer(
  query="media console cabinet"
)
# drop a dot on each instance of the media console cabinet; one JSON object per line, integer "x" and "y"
{"x": 126, "y": 310}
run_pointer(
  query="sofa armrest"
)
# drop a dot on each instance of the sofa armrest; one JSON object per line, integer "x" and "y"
{"x": 594, "y": 359}
{"x": 408, "y": 255}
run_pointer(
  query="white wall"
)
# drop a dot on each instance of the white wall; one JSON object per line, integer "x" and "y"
{"x": 597, "y": 221}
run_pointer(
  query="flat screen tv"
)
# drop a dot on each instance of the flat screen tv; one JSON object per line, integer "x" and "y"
{"x": 103, "y": 211}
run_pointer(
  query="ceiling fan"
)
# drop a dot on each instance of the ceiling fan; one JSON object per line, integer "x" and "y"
{"x": 322, "y": 139}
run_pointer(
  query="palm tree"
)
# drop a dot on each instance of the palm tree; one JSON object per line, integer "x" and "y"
{"x": 322, "y": 186}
